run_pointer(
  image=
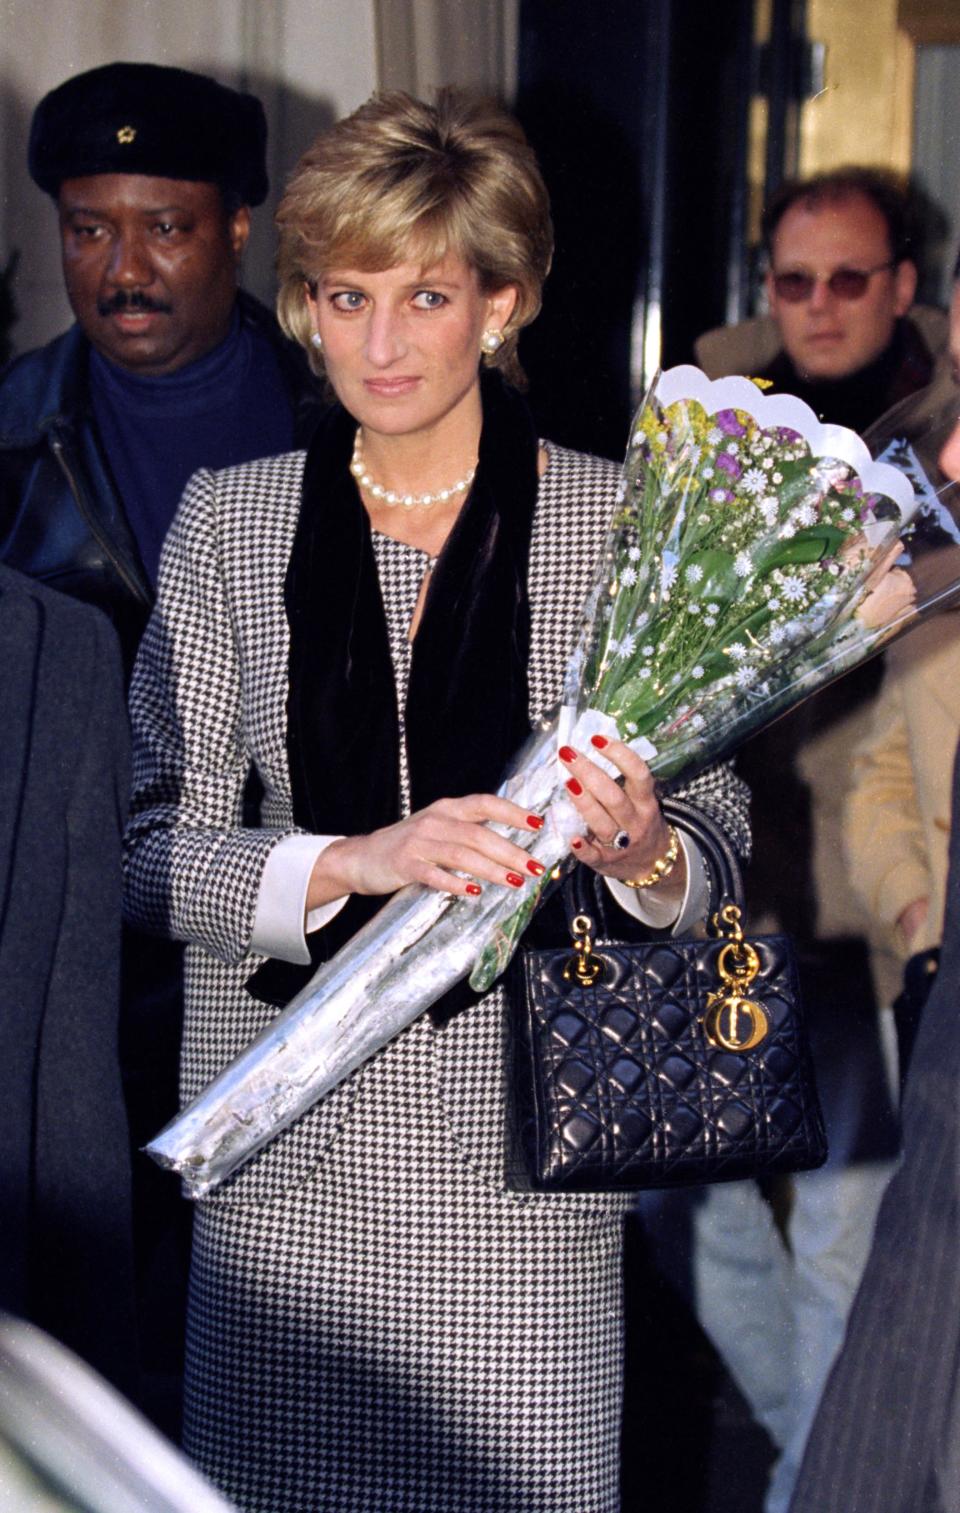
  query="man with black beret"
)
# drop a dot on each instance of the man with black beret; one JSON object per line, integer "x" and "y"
{"x": 168, "y": 368}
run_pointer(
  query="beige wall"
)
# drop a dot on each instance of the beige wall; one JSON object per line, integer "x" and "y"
{"x": 864, "y": 112}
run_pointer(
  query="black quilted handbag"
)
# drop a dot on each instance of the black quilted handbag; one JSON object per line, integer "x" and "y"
{"x": 665, "y": 1063}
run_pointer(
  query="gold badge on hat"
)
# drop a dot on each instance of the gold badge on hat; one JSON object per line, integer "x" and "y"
{"x": 126, "y": 135}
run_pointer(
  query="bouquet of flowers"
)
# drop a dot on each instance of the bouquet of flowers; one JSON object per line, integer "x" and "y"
{"x": 751, "y": 560}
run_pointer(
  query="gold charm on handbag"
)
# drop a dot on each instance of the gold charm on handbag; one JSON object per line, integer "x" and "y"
{"x": 727, "y": 1008}
{"x": 583, "y": 966}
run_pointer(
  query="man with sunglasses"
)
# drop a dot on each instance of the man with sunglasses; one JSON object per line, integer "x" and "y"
{"x": 843, "y": 332}
{"x": 773, "y": 1283}
{"x": 841, "y": 280}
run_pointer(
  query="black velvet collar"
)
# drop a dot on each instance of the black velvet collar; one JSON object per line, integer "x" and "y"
{"x": 467, "y": 702}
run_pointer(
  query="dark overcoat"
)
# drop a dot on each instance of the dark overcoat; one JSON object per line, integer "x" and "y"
{"x": 64, "y": 1160}
{"x": 887, "y": 1435}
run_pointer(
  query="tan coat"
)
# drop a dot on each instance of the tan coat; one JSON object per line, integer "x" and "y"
{"x": 751, "y": 345}
{"x": 897, "y": 819}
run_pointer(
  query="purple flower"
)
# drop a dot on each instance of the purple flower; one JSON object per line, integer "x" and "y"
{"x": 787, "y": 437}
{"x": 728, "y": 464}
{"x": 728, "y": 422}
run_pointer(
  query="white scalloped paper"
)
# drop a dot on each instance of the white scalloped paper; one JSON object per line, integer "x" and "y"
{"x": 688, "y": 382}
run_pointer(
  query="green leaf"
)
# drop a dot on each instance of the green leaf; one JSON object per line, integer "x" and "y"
{"x": 811, "y": 544}
{"x": 719, "y": 580}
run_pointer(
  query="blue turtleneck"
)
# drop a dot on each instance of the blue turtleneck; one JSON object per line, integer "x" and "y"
{"x": 229, "y": 406}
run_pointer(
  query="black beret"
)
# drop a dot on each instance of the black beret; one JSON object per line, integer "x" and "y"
{"x": 141, "y": 118}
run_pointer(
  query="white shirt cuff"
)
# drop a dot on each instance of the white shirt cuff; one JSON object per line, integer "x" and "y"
{"x": 278, "y": 924}
{"x": 660, "y": 913}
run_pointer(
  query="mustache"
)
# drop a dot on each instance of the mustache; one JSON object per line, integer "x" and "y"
{"x": 133, "y": 299}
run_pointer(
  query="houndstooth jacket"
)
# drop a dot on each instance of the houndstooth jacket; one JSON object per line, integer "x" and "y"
{"x": 208, "y": 701}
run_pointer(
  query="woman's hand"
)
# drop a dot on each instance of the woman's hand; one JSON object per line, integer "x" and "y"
{"x": 430, "y": 847}
{"x": 607, "y": 808}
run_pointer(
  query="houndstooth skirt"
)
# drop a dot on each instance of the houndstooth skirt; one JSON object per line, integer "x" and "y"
{"x": 376, "y": 1323}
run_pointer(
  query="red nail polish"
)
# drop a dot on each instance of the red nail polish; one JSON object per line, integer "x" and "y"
{"x": 474, "y": 889}
{"x": 576, "y": 845}
{"x": 537, "y": 868}
{"x": 599, "y": 741}
{"x": 514, "y": 879}
{"x": 567, "y": 754}
{"x": 574, "y": 786}
{"x": 535, "y": 822}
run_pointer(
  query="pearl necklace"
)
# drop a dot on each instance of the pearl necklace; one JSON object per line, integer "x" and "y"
{"x": 408, "y": 501}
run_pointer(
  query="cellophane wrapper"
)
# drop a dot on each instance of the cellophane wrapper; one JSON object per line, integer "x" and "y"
{"x": 754, "y": 555}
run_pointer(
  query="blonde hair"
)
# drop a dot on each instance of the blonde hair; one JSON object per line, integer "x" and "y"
{"x": 399, "y": 180}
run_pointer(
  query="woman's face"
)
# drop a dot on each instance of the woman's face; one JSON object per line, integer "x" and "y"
{"x": 402, "y": 347}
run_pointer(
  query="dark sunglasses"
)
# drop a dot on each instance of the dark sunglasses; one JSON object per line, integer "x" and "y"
{"x": 845, "y": 283}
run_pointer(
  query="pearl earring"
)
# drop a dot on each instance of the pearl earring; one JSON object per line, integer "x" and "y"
{"x": 490, "y": 342}
{"x": 316, "y": 340}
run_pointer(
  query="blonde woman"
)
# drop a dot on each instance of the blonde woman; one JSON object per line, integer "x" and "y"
{"x": 377, "y": 1322}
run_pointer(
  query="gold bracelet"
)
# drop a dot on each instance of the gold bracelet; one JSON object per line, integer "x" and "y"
{"x": 662, "y": 867}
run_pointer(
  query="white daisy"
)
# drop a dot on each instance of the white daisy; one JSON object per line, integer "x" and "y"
{"x": 793, "y": 588}
{"x": 767, "y": 462}
{"x": 787, "y": 530}
{"x": 696, "y": 672}
{"x": 648, "y": 651}
{"x": 718, "y": 496}
{"x": 644, "y": 672}
{"x": 713, "y": 609}
{"x": 708, "y": 472}
{"x": 697, "y": 722}
{"x": 714, "y": 436}
{"x": 753, "y": 481}
{"x": 773, "y": 603}
{"x": 805, "y": 514}
{"x": 737, "y": 651}
{"x": 694, "y": 573}
{"x": 777, "y": 634}
{"x": 694, "y": 607}
{"x": 628, "y": 577}
{"x": 634, "y": 554}
{"x": 744, "y": 676}
{"x": 668, "y": 575}
{"x": 846, "y": 514}
{"x": 778, "y": 477}
{"x": 709, "y": 621}
{"x": 742, "y": 565}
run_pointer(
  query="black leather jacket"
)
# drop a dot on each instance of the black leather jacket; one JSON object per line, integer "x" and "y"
{"x": 61, "y": 519}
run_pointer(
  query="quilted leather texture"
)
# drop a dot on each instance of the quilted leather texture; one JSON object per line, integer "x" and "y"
{"x": 617, "y": 1086}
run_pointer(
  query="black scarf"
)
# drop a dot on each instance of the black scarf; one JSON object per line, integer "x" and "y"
{"x": 467, "y": 702}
